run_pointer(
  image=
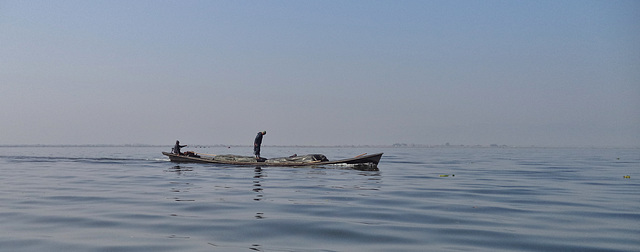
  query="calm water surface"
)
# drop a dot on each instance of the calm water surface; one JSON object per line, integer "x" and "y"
{"x": 494, "y": 199}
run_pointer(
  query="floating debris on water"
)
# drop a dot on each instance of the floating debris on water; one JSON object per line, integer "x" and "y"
{"x": 626, "y": 176}
{"x": 447, "y": 175}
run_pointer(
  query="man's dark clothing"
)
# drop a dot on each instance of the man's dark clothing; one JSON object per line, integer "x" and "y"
{"x": 176, "y": 148}
{"x": 256, "y": 144}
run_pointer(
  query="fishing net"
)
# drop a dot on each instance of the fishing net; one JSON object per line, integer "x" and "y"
{"x": 301, "y": 159}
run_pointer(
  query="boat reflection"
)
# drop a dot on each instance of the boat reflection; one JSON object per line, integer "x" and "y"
{"x": 179, "y": 169}
{"x": 180, "y": 189}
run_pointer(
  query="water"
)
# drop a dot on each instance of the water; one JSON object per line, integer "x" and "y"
{"x": 494, "y": 199}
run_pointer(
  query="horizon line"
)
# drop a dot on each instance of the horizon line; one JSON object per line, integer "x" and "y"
{"x": 396, "y": 145}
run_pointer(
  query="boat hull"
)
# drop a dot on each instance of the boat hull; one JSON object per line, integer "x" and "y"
{"x": 363, "y": 160}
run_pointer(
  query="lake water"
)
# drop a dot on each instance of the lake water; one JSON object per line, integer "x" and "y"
{"x": 494, "y": 199}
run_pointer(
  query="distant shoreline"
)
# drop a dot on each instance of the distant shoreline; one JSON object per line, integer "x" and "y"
{"x": 399, "y": 146}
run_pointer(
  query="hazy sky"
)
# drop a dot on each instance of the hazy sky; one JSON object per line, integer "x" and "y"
{"x": 546, "y": 73}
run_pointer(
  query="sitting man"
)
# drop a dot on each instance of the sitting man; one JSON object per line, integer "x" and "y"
{"x": 176, "y": 148}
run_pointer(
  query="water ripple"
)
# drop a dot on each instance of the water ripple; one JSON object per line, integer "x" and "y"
{"x": 104, "y": 199}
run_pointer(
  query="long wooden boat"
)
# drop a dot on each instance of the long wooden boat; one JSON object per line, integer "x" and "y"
{"x": 361, "y": 161}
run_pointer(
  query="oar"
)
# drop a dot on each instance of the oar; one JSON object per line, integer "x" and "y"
{"x": 206, "y": 154}
{"x": 360, "y": 155}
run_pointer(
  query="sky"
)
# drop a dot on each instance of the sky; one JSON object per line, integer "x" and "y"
{"x": 522, "y": 73}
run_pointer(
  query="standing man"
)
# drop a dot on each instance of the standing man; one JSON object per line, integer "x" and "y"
{"x": 176, "y": 148}
{"x": 256, "y": 144}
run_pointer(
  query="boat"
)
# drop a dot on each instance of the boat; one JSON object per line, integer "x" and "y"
{"x": 361, "y": 162}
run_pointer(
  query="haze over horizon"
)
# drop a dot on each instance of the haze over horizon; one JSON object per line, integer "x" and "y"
{"x": 521, "y": 73}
